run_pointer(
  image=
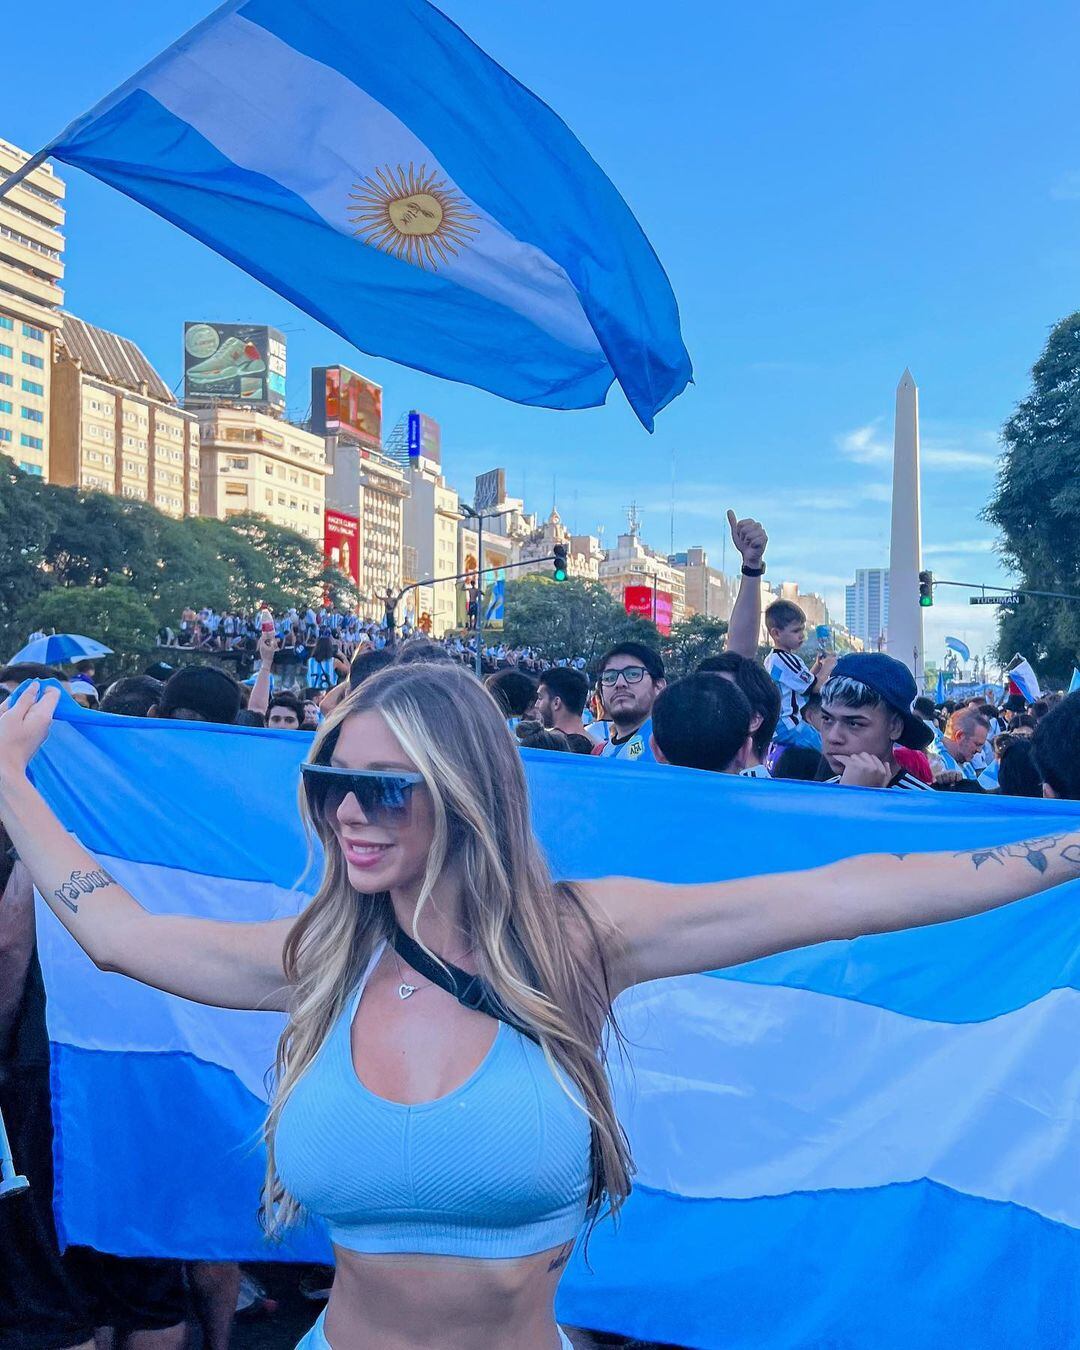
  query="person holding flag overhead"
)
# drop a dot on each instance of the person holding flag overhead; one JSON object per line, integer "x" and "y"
{"x": 451, "y": 1119}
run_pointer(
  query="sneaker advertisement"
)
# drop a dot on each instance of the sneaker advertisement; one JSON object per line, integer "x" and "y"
{"x": 242, "y": 363}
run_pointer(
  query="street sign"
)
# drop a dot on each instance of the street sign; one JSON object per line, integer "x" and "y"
{"x": 996, "y": 599}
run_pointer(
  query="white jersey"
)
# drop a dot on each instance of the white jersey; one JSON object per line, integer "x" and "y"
{"x": 795, "y": 679}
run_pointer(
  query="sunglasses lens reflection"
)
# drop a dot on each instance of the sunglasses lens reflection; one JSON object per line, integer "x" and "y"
{"x": 383, "y": 799}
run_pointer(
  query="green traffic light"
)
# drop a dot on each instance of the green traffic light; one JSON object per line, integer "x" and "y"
{"x": 560, "y": 575}
{"x": 926, "y": 601}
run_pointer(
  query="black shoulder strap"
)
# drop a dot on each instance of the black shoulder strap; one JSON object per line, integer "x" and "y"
{"x": 469, "y": 990}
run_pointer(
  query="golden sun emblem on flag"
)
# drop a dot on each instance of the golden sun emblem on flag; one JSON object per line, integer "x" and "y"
{"x": 412, "y": 214}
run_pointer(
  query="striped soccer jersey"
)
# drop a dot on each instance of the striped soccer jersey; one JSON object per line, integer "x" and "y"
{"x": 795, "y": 679}
{"x": 904, "y": 781}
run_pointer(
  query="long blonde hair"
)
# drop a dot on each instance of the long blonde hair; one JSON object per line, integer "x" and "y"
{"x": 535, "y": 943}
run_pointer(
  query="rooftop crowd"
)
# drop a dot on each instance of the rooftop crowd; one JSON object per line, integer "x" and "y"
{"x": 857, "y": 721}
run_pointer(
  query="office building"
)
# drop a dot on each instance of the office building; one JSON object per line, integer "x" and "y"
{"x": 115, "y": 424}
{"x": 251, "y": 461}
{"x": 31, "y": 298}
{"x": 708, "y": 591}
{"x": 368, "y": 485}
{"x": 867, "y": 607}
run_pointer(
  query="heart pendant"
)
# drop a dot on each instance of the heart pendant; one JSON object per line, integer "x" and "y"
{"x": 406, "y": 990}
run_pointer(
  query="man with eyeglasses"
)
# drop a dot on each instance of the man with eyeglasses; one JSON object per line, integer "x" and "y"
{"x": 631, "y": 678}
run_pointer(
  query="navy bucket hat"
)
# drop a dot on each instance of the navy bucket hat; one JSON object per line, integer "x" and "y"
{"x": 891, "y": 680}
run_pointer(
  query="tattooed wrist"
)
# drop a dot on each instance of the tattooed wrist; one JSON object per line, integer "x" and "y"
{"x": 1037, "y": 853}
{"x": 82, "y": 883}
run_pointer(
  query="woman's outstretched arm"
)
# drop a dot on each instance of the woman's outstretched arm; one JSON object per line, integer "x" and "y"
{"x": 660, "y": 930}
{"x": 230, "y": 965}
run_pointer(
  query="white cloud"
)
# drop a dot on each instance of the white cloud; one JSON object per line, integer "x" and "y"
{"x": 948, "y": 457}
{"x": 956, "y": 547}
{"x": 868, "y": 445}
{"x": 864, "y": 445}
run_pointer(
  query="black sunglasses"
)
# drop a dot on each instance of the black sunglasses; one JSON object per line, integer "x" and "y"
{"x": 384, "y": 797}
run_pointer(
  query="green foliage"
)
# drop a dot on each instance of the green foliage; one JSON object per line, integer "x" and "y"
{"x": 1036, "y": 506}
{"x": 691, "y": 642}
{"x": 569, "y": 618}
{"x": 58, "y": 542}
{"x": 115, "y": 614}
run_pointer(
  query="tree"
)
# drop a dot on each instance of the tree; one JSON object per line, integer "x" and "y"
{"x": 1036, "y": 506}
{"x": 269, "y": 562}
{"x": 569, "y": 618}
{"x": 114, "y": 614}
{"x": 691, "y": 642}
{"x": 26, "y": 524}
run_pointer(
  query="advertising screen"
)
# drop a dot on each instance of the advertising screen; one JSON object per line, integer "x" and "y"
{"x": 425, "y": 437}
{"x": 345, "y": 404}
{"x": 641, "y": 600}
{"x": 490, "y": 489}
{"x": 341, "y": 543}
{"x": 235, "y": 363}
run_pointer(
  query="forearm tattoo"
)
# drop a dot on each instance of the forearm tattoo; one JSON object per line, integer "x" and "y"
{"x": 1037, "y": 853}
{"x": 82, "y": 883}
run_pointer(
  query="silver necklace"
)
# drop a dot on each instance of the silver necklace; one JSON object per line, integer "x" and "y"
{"x": 404, "y": 989}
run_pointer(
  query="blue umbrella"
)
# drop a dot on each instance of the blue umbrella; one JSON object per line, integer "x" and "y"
{"x": 61, "y": 649}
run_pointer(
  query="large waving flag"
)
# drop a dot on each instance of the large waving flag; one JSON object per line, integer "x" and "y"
{"x": 371, "y": 164}
{"x": 868, "y": 1143}
{"x": 960, "y": 647}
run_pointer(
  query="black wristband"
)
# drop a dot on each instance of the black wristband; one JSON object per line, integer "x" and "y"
{"x": 753, "y": 571}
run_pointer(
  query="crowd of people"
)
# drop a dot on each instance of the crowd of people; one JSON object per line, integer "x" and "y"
{"x": 856, "y": 720}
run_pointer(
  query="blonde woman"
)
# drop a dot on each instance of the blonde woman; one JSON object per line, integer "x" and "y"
{"x": 456, "y": 1155}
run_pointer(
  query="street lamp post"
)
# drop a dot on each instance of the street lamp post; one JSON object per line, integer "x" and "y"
{"x": 480, "y": 514}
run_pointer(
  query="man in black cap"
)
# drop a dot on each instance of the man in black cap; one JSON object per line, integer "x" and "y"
{"x": 865, "y": 712}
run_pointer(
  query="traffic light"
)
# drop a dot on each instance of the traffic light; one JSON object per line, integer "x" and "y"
{"x": 926, "y": 589}
{"x": 559, "y": 562}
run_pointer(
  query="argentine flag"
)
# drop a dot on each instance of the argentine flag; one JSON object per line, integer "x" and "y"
{"x": 860, "y": 1144}
{"x": 370, "y": 163}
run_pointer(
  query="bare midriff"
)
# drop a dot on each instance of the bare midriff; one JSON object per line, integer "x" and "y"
{"x": 410, "y": 1302}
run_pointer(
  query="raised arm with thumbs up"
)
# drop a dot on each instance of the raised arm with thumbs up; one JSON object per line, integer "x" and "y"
{"x": 744, "y": 627}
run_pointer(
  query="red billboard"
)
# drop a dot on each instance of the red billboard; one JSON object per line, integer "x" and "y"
{"x": 341, "y": 543}
{"x": 649, "y": 604}
{"x": 345, "y": 404}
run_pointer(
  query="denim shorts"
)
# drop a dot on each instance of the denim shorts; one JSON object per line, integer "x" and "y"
{"x": 316, "y": 1337}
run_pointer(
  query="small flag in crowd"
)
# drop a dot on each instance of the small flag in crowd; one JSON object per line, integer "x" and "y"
{"x": 372, "y": 165}
{"x": 1023, "y": 679}
{"x": 1074, "y": 683}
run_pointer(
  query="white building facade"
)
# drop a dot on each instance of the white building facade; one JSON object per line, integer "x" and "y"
{"x": 867, "y": 606}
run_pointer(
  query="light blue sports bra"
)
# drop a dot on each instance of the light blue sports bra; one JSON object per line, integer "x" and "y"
{"x": 499, "y": 1167}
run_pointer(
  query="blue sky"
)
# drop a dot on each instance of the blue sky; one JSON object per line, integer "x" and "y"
{"x": 836, "y": 191}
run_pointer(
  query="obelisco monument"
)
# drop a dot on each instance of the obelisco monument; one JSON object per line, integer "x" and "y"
{"x": 905, "y": 636}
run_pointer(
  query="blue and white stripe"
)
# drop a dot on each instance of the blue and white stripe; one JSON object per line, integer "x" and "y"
{"x": 868, "y": 1143}
{"x": 254, "y": 130}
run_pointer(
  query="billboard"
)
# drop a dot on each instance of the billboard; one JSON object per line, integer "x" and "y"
{"x": 425, "y": 437}
{"x": 341, "y": 543}
{"x": 235, "y": 363}
{"x": 490, "y": 489}
{"x": 649, "y": 604}
{"x": 346, "y": 404}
